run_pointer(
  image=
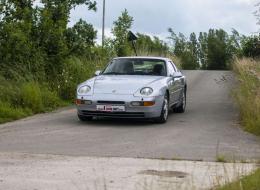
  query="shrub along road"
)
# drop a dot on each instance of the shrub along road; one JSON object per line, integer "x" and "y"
{"x": 207, "y": 131}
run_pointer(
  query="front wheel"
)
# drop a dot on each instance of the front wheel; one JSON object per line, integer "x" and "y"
{"x": 165, "y": 111}
{"x": 84, "y": 118}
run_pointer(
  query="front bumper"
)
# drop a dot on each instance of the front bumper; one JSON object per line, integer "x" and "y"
{"x": 122, "y": 100}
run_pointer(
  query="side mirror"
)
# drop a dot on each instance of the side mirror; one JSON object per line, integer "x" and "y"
{"x": 177, "y": 75}
{"x": 97, "y": 73}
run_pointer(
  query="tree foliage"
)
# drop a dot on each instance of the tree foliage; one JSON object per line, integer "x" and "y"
{"x": 147, "y": 45}
{"x": 213, "y": 50}
{"x": 120, "y": 31}
{"x": 251, "y": 46}
{"x": 80, "y": 38}
{"x": 33, "y": 42}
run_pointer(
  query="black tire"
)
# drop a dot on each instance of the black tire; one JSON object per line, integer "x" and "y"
{"x": 165, "y": 111}
{"x": 85, "y": 118}
{"x": 182, "y": 106}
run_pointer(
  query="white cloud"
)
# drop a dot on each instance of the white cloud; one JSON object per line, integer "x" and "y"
{"x": 108, "y": 34}
{"x": 248, "y": 2}
{"x": 186, "y": 16}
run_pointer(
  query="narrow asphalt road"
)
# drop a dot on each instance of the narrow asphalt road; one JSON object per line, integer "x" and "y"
{"x": 208, "y": 129}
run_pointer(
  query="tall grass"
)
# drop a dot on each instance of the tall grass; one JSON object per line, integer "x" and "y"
{"x": 22, "y": 98}
{"x": 248, "y": 93}
{"x": 251, "y": 182}
{"x": 18, "y": 100}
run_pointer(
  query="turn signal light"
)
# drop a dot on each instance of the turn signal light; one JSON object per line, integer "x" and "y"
{"x": 81, "y": 102}
{"x": 145, "y": 104}
{"x": 78, "y": 102}
{"x": 149, "y": 103}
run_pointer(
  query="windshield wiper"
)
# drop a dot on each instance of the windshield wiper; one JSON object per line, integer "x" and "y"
{"x": 110, "y": 73}
{"x": 114, "y": 73}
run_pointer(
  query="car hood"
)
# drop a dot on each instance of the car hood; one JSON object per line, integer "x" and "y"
{"x": 122, "y": 84}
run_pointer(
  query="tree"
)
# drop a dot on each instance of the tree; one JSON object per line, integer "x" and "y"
{"x": 203, "y": 49}
{"x": 147, "y": 45}
{"x": 218, "y": 56}
{"x": 188, "y": 62}
{"x": 212, "y": 50}
{"x": 178, "y": 42}
{"x": 187, "y": 51}
{"x": 53, "y": 26}
{"x": 120, "y": 31}
{"x": 144, "y": 44}
{"x": 19, "y": 54}
{"x": 194, "y": 52}
{"x": 159, "y": 46}
{"x": 32, "y": 39}
{"x": 80, "y": 38}
{"x": 251, "y": 46}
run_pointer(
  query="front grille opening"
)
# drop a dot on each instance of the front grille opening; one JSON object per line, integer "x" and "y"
{"x": 114, "y": 114}
{"x": 111, "y": 102}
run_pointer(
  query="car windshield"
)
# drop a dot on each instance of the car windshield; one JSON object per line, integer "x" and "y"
{"x": 126, "y": 66}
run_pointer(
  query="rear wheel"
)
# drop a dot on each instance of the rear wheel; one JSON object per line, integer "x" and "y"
{"x": 165, "y": 111}
{"x": 84, "y": 118}
{"x": 181, "y": 108}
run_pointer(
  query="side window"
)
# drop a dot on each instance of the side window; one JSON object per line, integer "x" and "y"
{"x": 171, "y": 68}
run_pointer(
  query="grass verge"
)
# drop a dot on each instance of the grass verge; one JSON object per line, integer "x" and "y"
{"x": 251, "y": 182}
{"x": 25, "y": 97}
{"x": 247, "y": 94}
{"x": 21, "y": 100}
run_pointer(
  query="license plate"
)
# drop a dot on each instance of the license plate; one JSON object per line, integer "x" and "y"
{"x": 110, "y": 108}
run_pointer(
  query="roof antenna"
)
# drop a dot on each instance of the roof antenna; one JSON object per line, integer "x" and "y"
{"x": 132, "y": 38}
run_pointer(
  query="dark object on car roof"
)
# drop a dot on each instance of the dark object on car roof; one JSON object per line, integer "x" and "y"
{"x": 132, "y": 38}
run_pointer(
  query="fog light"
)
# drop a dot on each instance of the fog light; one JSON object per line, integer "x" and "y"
{"x": 88, "y": 102}
{"x": 137, "y": 103}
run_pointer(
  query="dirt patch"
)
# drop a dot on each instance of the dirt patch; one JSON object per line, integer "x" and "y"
{"x": 176, "y": 174}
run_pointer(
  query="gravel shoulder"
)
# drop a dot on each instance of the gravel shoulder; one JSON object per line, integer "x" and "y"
{"x": 28, "y": 171}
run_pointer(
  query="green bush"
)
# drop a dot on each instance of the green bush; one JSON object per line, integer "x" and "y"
{"x": 75, "y": 72}
{"x": 9, "y": 113}
{"x": 50, "y": 99}
{"x": 20, "y": 100}
{"x": 31, "y": 97}
{"x": 10, "y": 92}
{"x": 39, "y": 98}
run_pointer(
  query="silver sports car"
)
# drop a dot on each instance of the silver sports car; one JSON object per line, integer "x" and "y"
{"x": 133, "y": 87}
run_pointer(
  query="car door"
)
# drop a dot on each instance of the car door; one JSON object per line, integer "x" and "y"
{"x": 179, "y": 81}
{"x": 172, "y": 84}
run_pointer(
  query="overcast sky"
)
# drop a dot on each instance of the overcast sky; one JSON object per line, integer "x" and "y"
{"x": 155, "y": 16}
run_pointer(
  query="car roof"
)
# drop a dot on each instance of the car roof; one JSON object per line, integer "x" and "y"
{"x": 143, "y": 57}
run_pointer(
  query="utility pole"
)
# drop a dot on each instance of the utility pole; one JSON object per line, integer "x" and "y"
{"x": 103, "y": 22}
